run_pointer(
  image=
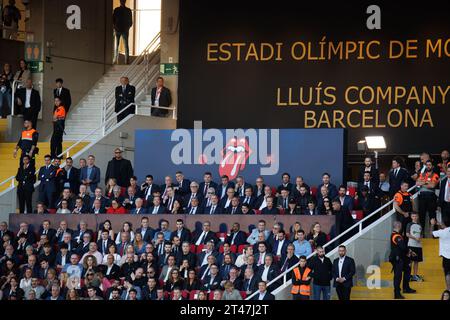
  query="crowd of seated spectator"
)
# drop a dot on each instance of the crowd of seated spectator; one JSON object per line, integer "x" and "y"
{"x": 149, "y": 262}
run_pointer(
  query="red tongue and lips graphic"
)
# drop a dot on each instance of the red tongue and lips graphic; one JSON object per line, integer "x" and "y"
{"x": 234, "y": 157}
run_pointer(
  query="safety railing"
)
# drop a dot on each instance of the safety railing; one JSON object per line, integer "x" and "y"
{"x": 139, "y": 73}
{"x": 358, "y": 225}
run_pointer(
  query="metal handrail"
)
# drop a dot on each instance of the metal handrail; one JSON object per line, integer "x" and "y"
{"x": 359, "y": 223}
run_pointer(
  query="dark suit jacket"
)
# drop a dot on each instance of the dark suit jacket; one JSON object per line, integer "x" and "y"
{"x": 95, "y": 177}
{"x": 218, "y": 210}
{"x": 396, "y": 181}
{"x": 188, "y": 196}
{"x": 100, "y": 247}
{"x": 255, "y": 191}
{"x": 26, "y": 178}
{"x": 185, "y": 235}
{"x": 266, "y": 210}
{"x": 185, "y": 188}
{"x": 209, "y": 236}
{"x": 73, "y": 179}
{"x": 332, "y": 190}
{"x": 51, "y": 234}
{"x": 142, "y": 211}
{"x": 215, "y": 284}
{"x": 229, "y": 210}
{"x": 44, "y": 175}
{"x": 240, "y": 191}
{"x": 442, "y": 191}
{"x": 161, "y": 209}
{"x": 201, "y": 256}
{"x": 274, "y": 271}
{"x": 283, "y": 248}
{"x": 35, "y": 100}
{"x": 251, "y": 202}
{"x": 220, "y": 187}
{"x": 251, "y": 285}
{"x": 241, "y": 238}
{"x": 348, "y": 271}
{"x": 124, "y": 98}
{"x": 65, "y": 97}
{"x": 268, "y": 296}
{"x": 148, "y": 235}
{"x": 165, "y": 98}
{"x": 289, "y": 263}
{"x": 374, "y": 173}
{"x": 115, "y": 272}
{"x": 212, "y": 184}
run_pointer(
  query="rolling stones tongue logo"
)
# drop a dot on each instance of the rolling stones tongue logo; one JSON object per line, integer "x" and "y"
{"x": 234, "y": 157}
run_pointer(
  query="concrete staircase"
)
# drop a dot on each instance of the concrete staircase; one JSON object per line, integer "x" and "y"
{"x": 3, "y": 129}
{"x": 87, "y": 114}
{"x": 430, "y": 269}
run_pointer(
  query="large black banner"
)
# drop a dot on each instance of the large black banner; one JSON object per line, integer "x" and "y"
{"x": 310, "y": 64}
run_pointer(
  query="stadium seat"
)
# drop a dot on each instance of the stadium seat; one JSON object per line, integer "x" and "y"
{"x": 351, "y": 191}
{"x": 257, "y": 211}
{"x": 193, "y": 248}
{"x": 200, "y": 248}
{"x": 185, "y": 294}
{"x": 314, "y": 191}
{"x": 221, "y": 235}
{"x": 211, "y": 295}
{"x": 51, "y": 211}
{"x": 282, "y": 211}
{"x": 358, "y": 214}
{"x": 243, "y": 294}
{"x": 241, "y": 248}
{"x": 233, "y": 248}
{"x": 193, "y": 294}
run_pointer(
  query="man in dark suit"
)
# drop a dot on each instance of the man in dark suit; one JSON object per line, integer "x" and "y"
{"x": 148, "y": 188}
{"x": 193, "y": 193}
{"x": 344, "y": 198}
{"x": 223, "y": 187}
{"x": 344, "y": 219}
{"x": 236, "y": 237}
{"x": 45, "y": 229}
{"x": 61, "y": 230}
{"x": 332, "y": 190}
{"x": 63, "y": 94}
{"x": 240, "y": 186}
{"x": 181, "y": 232}
{"x": 374, "y": 188}
{"x": 207, "y": 183}
{"x": 268, "y": 271}
{"x": 104, "y": 243}
{"x": 157, "y": 207}
{"x": 90, "y": 175}
{"x": 103, "y": 201}
{"x": 258, "y": 189}
{"x": 263, "y": 294}
{"x": 145, "y": 230}
{"x": 235, "y": 207}
{"x": 251, "y": 280}
{"x": 288, "y": 260}
{"x": 369, "y": 167}
{"x": 26, "y": 179}
{"x": 47, "y": 186}
{"x": 343, "y": 271}
{"x": 125, "y": 94}
{"x": 248, "y": 197}
{"x": 139, "y": 207}
{"x": 279, "y": 246}
{"x": 321, "y": 273}
{"x": 396, "y": 176}
{"x": 283, "y": 198}
{"x": 212, "y": 281}
{"x": 205, "y": 235}
{"x": 183, "y": 185}
{"x": 161, "y": 97}
{"x": 29, "y": 102}
{"x": 71, "y": 178}
{"x": 110, "y": 269}
{"x": 214, "y": 207}
{"x": 444, "y": 195}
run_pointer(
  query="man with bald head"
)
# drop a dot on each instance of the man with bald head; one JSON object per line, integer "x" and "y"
{"x": 29, "y": 102}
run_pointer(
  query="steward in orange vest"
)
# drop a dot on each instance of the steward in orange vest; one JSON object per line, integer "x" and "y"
{"x": 59, "y": 117}
{"x": 28, "y": 143}
{"x": 301, "y": 281}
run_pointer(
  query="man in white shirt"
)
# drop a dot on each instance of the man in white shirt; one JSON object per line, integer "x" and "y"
{"x": 444, "y": 248}
{"x": 262, "y": 292}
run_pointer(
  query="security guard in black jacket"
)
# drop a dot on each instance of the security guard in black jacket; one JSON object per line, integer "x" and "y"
{"x": 26, "y": 178}
{"x": 27, "y": 143}
{"x": 399, "y": 257}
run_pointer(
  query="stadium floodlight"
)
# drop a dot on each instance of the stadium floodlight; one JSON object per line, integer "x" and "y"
{"x": 376, "y": 143}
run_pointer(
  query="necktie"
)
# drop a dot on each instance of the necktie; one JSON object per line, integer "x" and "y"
{"x": 213, "y": 208}
{"x": 206, "y": 188}
{"x": 202, "y": 237}
{"x": 285, "y": 203}
{"x": 104, "y": 246}
{"x": 45, "y": 231}
{"x": 234, "y": 210}
{"x": 284, "y": 264}
{"x": 247, "y": 200}
{"x": 396, "y": 171}
{"x": 260, "y": 259}
{"x": 192, "y": 210}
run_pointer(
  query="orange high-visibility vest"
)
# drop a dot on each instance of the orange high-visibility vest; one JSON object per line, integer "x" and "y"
{"x": 303, "y": 289}
{"x": 60, "y": 113}
{"x": 28, "y": 134}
